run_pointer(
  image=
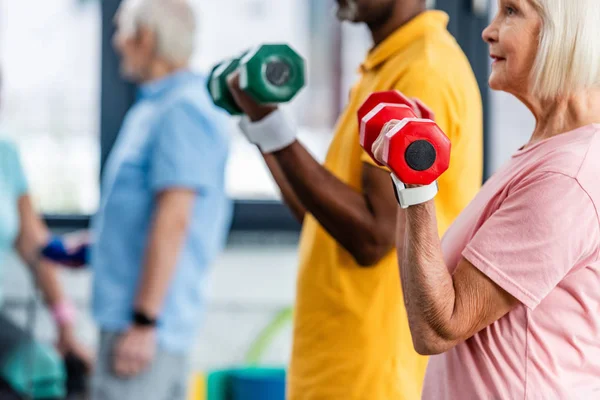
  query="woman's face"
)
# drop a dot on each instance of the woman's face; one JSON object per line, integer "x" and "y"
{"x": 513, "y": 37}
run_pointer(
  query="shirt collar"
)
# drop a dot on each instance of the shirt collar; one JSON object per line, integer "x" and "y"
{"x": 159, "y": 86}
{"x": 403, "y": 36}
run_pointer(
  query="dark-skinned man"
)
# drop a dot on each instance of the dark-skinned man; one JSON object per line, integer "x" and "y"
{"x": 351, "y": 336}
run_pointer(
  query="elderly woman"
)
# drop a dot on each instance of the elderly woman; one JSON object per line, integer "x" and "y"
{"x": 508, "y": 303}
{"x": 22, "y": 231}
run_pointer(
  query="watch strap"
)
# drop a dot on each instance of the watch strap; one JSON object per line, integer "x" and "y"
{"x": 407, "y": 197}
{"x": 140, "y": 318}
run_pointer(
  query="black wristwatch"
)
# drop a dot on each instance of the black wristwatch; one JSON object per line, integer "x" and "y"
{"x": 140, "y": 318}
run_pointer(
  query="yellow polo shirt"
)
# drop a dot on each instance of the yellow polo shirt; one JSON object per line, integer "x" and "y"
{"x": 351, "y": 334}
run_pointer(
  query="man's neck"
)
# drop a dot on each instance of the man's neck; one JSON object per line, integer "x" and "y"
{"x": 399, "y": 18}
{"x": 160, "y": 70}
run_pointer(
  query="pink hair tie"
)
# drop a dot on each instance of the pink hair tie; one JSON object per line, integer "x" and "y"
{"x": 63, "y": 313}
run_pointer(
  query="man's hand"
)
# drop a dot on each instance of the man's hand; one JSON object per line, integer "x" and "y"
{"x": 134, "y": 351}
{"x": 251, "y": 108}
{"x": 68, "y": 344}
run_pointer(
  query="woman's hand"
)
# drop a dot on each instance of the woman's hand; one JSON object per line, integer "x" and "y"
{"x": 378, "y": 145}
{"x": 68, "y": 344}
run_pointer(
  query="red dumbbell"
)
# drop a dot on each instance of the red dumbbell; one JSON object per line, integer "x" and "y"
{"x": 379, "y": 109}
{"x": 423, "y": 110}
{"x": 416, "y": 151}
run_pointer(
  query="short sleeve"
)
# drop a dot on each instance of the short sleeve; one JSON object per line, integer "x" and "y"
{"x": 14, "y": 168}
{"x": 433, "y": 91}
{"x": 189, "y": 150}
{"x": 545, "y": 227}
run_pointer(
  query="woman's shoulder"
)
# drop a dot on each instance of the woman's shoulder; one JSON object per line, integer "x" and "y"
{"x": 589, "y": 170}
{"x": 576, "y": 157}
{"x": 7, "y": 146}
{"x": 567, "y": 154}
{"x": 9, "y": 156}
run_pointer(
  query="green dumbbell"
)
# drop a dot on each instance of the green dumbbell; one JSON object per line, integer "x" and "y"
{"x": 272, "y": 73}
{"x": 218, "y": 89}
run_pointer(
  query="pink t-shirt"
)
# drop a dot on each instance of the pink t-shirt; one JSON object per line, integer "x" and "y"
{"x": 534, "y": 230}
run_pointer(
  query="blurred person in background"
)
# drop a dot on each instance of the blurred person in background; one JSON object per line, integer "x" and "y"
{"x": 23, "y": 231}
{"x": 164, "y": 215}
{"x": 351, "y": 333}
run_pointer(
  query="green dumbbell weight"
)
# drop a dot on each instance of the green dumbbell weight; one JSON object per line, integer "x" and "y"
{"x": 218, "y": 89}
{"x": 272, "y": 73}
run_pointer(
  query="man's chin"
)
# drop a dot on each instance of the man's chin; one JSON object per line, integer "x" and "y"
{"x": 128, "y": 75}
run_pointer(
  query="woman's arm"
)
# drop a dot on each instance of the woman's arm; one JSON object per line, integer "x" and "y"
{"x": 443, "y": 309}
{"x": 33, "y": 235}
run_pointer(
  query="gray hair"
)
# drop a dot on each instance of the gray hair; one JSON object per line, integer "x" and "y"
{"x": 568, "y": 57}
{"x": 172, "y": 21}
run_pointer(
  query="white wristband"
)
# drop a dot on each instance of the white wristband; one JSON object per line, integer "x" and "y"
{"x": 412, "y": 196}
{"x": 272, "y": 133}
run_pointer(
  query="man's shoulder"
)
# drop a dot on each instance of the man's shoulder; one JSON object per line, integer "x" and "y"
{"x": 436, "y": 57}
{"x": 189, "y": 111}
{"x": 193, "y": 100}
{"x": 193, "y": 93}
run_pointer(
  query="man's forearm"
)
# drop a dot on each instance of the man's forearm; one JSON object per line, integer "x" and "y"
{"x": 287, "y": 192}
{"x": 427, "y": 284}
{"x": 341, "y": 210}
{"x": 164, "y": 244}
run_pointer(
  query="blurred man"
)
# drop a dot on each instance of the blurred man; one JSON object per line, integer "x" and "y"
{"x": 163, "y": 216}
{"x": 351, "y": 334}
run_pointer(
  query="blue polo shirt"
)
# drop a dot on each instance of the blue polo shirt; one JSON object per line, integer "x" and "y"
{"x": 172, "y": 137}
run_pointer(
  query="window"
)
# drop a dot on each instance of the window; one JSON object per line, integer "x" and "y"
{"x": 309, "y": 26}
{"x": 50, "y": 98}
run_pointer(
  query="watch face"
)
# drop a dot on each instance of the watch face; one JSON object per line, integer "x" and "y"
{"x": 141, "y": 319}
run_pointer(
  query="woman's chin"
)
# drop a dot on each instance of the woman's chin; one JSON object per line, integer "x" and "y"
{"x": 494, "y": 83}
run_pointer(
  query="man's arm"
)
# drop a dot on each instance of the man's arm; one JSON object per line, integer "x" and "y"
{"x": 169, "y": 226}
{"x": 362, "y": 222}
{"x": 287, "y": 192}
{"x": 137, "y": 346}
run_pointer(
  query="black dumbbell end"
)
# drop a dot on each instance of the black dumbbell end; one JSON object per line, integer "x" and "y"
{"x": 420, "y": 155}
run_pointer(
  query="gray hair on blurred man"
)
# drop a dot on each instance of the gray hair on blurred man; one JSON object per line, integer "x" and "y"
{"x": 154, "y": 36}
{"x": 164, "y": 214}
